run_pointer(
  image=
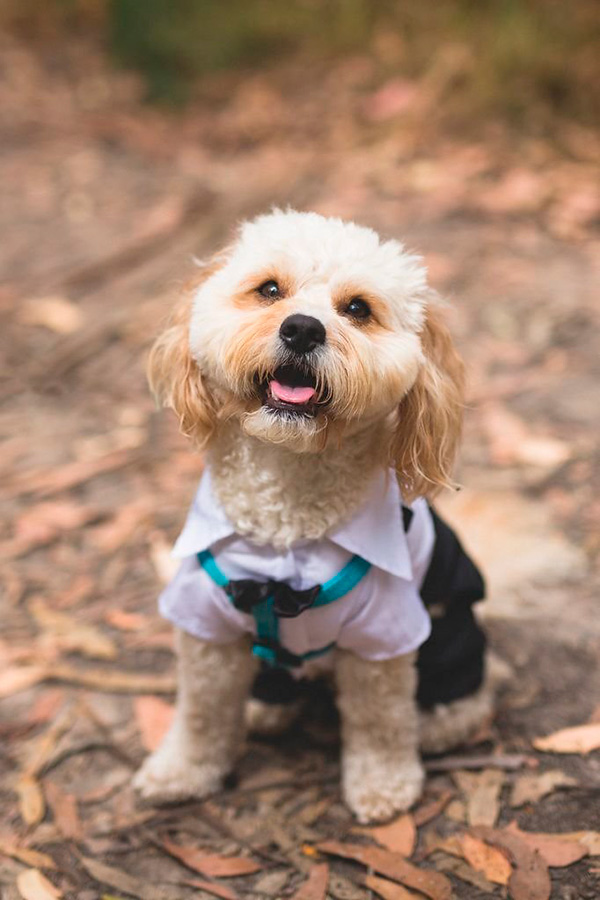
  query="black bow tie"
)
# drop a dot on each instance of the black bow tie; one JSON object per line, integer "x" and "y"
{"x": 287, "y": 603}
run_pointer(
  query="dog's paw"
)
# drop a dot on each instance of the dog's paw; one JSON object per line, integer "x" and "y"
{"x": 376, "y": 792}
{"x": 166, "y": 779}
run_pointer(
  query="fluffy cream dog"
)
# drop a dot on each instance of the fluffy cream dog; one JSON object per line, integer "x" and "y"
{"x": 308, "y": 361}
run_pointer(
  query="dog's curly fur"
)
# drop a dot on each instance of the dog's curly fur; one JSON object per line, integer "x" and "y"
{"x": 389, "y": 391}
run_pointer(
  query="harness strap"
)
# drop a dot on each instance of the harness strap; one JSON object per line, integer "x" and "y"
{"x": 267, "y": 646}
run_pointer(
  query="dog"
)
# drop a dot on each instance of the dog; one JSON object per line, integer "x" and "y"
{"x": 312, "y": 367}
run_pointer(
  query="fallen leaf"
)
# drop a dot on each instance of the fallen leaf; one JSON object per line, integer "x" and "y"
{"x": 456, "y": 811}
{"x": 484, "y": 858}
{"x": 557, "y": 849}
{"x": 127, "y": 621}
{"x": 530, "y": 788}
{"x": 45, "y": 522}
{"x": 315, "y": 886}
{"x": 25, "y": 855}
{"x": 47, "y": 482}
{"x": 32, "y": 805}
{"x": 399, "y": 836}
{"x": 20, "y": 678}
{"x": 529, "y": 879}
{"x": 55, "y": 313}
{"x": 64, "y": 811}
{"x": 580, "y": 739}
{"x": 511, "y": 441}
{"x": 211, "y": 887}
{"x": 122, "y": 881}
{"x": 388, "y": 890}
{"x": 32, "y": 885}
{"x": 589, "y": 839}
{"x": 450, "y": 844}
{"x": 120, "y": 530}
{"x": 44, "y": 746}
{"x": 211, "y": 864}
{"x": 392, "y": 865}
{"x": 46, "y": 706}
{"x": 482, "y": 792}
{"x": 153, "y": 717}
{"x": 458, "y": 867}
{"x": 72, "y": 635}
{"x": 428, "y": 811}
{"x": 113, "y": 680}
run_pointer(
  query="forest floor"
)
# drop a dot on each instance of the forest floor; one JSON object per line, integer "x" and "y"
{"x": 105, "y": 203}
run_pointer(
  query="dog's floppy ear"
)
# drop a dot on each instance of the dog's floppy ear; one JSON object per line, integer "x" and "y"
{"x": 430, "y": 415}
{"x": 175, "y": 378}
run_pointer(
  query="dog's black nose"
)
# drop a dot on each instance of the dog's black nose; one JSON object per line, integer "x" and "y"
{"x": 302, "y": 333}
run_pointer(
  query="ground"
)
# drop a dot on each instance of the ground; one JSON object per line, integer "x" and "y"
{"x": 106, "y": 202}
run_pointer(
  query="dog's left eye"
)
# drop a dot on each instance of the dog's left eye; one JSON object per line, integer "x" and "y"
{"x": 269, "y": 290}
{"x": 358, "y": 309}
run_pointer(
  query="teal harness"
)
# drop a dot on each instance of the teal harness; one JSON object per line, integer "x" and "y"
{"x": 267, "y": 646}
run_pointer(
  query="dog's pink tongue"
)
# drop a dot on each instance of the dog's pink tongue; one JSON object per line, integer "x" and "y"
{"x": 289, "y": 394}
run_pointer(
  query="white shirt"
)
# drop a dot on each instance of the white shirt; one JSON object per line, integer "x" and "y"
{"x": 382, "y": 617}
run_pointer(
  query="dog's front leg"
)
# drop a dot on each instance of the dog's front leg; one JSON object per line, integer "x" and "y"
{"x": 206, "y": 736}
{"x": 381, "y": 768}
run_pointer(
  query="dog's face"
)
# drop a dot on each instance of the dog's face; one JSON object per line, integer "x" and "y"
{"x": 309, "y": 321}
{"x": 304, "y": 326}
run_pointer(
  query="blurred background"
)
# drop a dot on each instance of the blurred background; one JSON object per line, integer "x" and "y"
{"x": 133, "y": 137}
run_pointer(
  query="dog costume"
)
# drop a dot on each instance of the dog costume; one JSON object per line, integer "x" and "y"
{"x": 390, "y": 580}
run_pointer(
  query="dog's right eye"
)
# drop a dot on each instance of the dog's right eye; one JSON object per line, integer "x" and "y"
{"x": 269, "y": 290}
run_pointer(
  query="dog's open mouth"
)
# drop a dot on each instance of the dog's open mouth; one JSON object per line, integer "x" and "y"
{"x": 291, "y": 390}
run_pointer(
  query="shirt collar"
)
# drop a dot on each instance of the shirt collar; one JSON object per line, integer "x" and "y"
{"x": 206, "y": 522}
{"x": 375, "y": 531}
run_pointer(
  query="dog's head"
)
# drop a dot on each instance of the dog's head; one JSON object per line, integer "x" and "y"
{"x": 308, "y": 327}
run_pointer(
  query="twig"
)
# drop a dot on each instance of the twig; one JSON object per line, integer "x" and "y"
{"x": 510, "y": 762}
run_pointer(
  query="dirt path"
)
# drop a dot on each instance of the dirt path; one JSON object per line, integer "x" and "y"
{"x": 106, "y": 201}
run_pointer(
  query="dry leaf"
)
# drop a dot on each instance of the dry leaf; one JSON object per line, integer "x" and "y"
{"x": 529, "y": 879}
{"x": 123, "y": 527}
{"x": 55, "y": 313}
{"x": 31, "y": 799}
{"x": 482, "y": 792}
{"x": 511, "y": 441}
{"x": 428, "y": 811}
{"x": 530, "y": 788}
{"x": 211, "y": 887}
{"x": 388, "y": 890}
{"x": 46, "y": 706}
{"x": 589, "y": 839}
{"x": 30, "y": 857}
{"x": 484, "y": 858}
{"x": 20, "y": 678}
{"x": 315, "y": 886}
{"x": 392, "y": 865}
{"x": 32, "y": 885}
{"x": 45, "y": 522}
{"x": 580, "y": 739}
{"x": 122, "y": 881}
{"x": 211, "y": 864}
{"x": 44, "y": 746}
{"x": 153, "y": 717}
{"x": 64, "y": 811}
{"x": 557, "y": 849}
{"x": 450, "y": 844}
{"x": 399, "y": 836}
{"x": 458, "y": 867}
{"x": 70, "y": 634}
{"x": 127, "y": 621}
{"x": 113, "y": 680}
